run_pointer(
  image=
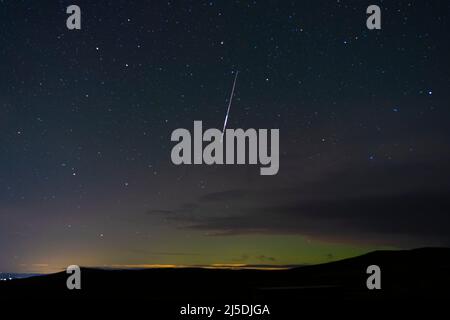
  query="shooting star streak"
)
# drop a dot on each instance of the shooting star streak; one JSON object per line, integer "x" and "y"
{"x": 229, "y": 106}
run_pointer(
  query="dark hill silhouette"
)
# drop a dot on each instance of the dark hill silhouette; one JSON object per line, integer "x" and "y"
{"x": 409, "y": 274}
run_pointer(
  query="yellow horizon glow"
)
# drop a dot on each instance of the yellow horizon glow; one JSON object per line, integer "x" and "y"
{"x": 227, "y": 266}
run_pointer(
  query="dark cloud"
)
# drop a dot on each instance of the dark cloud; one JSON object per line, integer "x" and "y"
{"x": 389, "y": 204}
{"x": 223, "y": 196}
{"x": 424, "y": 216}
{"x": 265, "y": 258}
{"x": 164, "y": 253}
{"x": 261, "y": 257}
{"x": 158, "y": 211}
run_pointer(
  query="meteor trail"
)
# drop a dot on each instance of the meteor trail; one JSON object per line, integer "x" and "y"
{"x": 229, "y": 106}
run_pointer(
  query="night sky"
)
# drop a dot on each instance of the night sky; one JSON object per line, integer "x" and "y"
{"x": 86, "y": 118}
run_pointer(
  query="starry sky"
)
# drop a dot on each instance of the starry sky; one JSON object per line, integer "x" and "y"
{"x": 86, "y": 117}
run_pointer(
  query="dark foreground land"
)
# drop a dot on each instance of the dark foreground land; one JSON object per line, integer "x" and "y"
{"x": 413, "y": 275}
